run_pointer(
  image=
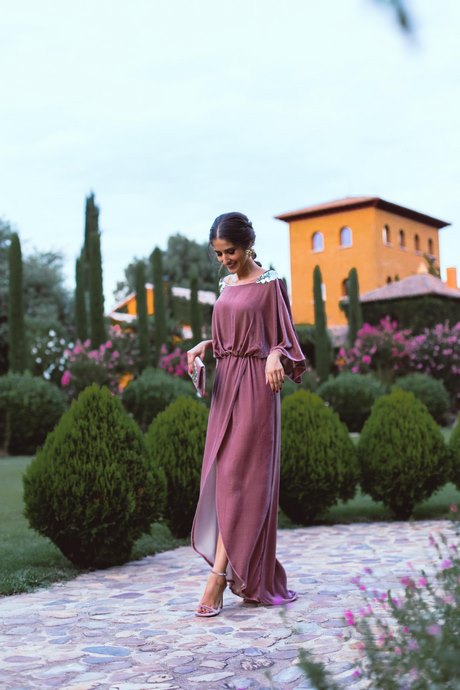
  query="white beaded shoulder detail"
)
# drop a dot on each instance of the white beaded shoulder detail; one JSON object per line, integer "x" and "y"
{"x": 265, "y": 277}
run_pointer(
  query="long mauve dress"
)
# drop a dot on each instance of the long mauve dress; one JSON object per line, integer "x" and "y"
{"x": 240, "y": 474}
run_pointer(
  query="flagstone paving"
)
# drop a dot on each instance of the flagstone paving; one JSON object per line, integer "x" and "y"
{"x": 132, "y": 627}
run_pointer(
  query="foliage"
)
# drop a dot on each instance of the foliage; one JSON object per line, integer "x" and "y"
{"x": 159, "y": 302}
{"x": 318, "y": 459}
{"x": 408, "y": 640}
{"x": 310, "y": 382}
{"x": 436, "y": 352}
{"x": 323, "y": 346}
{"x": 415, "y": 313}
{"x": 29, "y": 409}
{"x": 382, "y": 349}
{"x": 174, "y": 362}
{"x": 96, "y": 294}
{"x": 104, "y": 365}
{"x": 47, "y": 357}
{"x": 354, "y": 312}
{"x": 176, "y": 440}
{"x": 92, "y": 489}
{"x": 151, "y": 392}
{"x": 306, "y": 337}
{"x": 195, "y": 311}
{"x": 142, "y": 318}
{"x": 454, "y": 451}
{"x": 401, "y": 452}
{"x": 431, "y": 392}
{"x": 17, "y": 331}
{"x": 182, "y": 253}
{"x": 81, "y": 324}
{"x": 352, "y": 397}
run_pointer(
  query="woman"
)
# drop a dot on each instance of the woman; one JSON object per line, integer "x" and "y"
{"x": 255, "y": 345}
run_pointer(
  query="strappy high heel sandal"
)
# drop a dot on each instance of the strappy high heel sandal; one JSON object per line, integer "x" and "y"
{"x": 212, "y": 610}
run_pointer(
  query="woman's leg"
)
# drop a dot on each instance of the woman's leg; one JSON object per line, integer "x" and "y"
{"x": 216, "y": 583}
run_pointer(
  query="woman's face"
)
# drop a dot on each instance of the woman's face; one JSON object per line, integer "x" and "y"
{"x": 231, "y": 256}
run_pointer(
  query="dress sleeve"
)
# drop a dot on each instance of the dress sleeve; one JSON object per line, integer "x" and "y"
{"x": 285, "y": 337}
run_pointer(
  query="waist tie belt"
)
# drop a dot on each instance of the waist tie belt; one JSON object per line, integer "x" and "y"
{"x": 234, "y": 354}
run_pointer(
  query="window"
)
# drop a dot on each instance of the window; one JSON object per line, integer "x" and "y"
{"x": 317, "y": 242}
{"x": 417, "y": 243}
{"x": 430, "y": 247}
{"x": 386, "y": 236}
{"x": 345, "y": 287}
{"x": 346, "y": 237}
{"x": 389, "y": 280}
{"x": 402, "y": 239}
{"x": 323, "y": 291}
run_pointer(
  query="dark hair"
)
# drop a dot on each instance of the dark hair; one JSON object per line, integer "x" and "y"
{"x": 234, "y": 227}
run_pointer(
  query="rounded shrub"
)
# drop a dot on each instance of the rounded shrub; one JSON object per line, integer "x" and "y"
{"x": 152, "y": 392}
{"x": 454, "y": 452}
{"x": 402, "y": 453}
{"x": 431, "y": 392}
{"x": 175, "y": 441}
{"x": 29, "y": 408}
{"x": 318, "y": 458}
{"x": 93, "y": 489}
{"x": 352, "y": 397}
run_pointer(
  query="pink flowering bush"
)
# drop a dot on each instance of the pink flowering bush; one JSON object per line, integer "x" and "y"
{"x": 436, "y": 352}
{"x": 408, "y": 640}
{"x": 174, "y": 363}
{"x": 105, "y": 365}
{"x": 382, "y": 349}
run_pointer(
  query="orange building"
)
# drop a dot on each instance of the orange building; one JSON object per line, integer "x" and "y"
{"x": 382, "y": 240}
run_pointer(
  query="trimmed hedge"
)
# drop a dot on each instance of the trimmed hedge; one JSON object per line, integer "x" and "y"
{"x": 92, "y": 489}
{"x": 402, "y": 453}
{"x": 431, "y": 392}
{"x": 175, "y": 441}
{"x": 352, "y": 397}
{"x": 318, "y": 458}
{"x": 152, "y": 392}
{"x": 29, "y": 408}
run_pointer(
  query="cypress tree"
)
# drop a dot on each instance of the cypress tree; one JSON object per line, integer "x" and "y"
{"x": 323, "y": 349}
{"x": 159, "y": 306}
{"x": 195, "y": 311}
{"x": 142, "y": 319}
{"x": 355, "y": 314}
{"x": 81, "y": 325}
{"x": 17, "y": 331}
{"x": 96, "y": 294}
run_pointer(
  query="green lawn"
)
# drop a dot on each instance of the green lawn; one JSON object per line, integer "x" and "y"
{"x": 29, "y": 560}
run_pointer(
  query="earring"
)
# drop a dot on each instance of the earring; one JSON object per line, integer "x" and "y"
{"x": 251, "y": 253}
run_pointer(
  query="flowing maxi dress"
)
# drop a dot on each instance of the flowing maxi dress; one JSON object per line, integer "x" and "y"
{"x": 240, "y": 476}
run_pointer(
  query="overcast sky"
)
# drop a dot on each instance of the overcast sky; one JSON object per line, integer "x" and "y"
{"x": 174, "y": 111}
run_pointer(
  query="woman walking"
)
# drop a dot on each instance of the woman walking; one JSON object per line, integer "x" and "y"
{"x": 255, "y": 345}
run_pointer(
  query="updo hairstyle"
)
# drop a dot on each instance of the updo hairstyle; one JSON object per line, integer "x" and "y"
{"x": 236, "y": 228}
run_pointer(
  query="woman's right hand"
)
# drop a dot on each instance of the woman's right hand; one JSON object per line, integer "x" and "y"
{"x": 197, "y": 351}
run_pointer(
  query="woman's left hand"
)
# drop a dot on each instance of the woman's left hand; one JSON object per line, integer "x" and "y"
{"x": 274, "y": 372}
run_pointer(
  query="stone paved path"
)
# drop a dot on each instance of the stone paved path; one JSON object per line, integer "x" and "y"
{"x": 132, "y": 627}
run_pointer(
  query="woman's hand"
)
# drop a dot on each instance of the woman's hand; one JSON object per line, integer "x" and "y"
{"x": 274, "y": 372}
{"x": 197, "y": 351}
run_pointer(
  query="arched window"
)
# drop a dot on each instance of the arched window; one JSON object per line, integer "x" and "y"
{"x": 430, "y": 247}
{"x": 346, "y": 237}
{"x": 386, "y": 234}
{"x": 417, "y": 243}
{"x": 323, "y": 292}
{"x": 317, "y": 242}
{"x": 345, "y": 285}
{"x": 402, "y": 239}
{"x": 389, "y": 280}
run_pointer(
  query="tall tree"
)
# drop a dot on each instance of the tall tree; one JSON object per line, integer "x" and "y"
{"x": 81, "y": 325}
{"x": 91, "y": 227}
{"x": 17, "y": 333}
{"x": 355, "y": 314}
{"x": 142, "y": 318}
{"x": 159, "y": 306}
{"x": 323, "y": 347}
{"x": 196, "y": 320}
{"x": 96, "y": 293}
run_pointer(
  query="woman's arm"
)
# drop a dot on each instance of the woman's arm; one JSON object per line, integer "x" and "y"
{"x": 197, "y": 351}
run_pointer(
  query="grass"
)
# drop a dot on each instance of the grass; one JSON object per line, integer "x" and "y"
{"x": 29, "y": 560}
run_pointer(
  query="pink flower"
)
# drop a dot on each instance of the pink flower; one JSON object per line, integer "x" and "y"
{"x": 446, "y": 564}
{"x": 453, "y": 508}
{"x": 413, "y": 645}
{"x": 78, "y": 349}
{"x": 109, "y": 344}
{"x": 435, "y": 630}
{"x": 87, "y": 343}
{"x": 66, "y": 378}
{"x": 349, "y": 617}
{"x": 357, "y": 673}
{"x": 408, "y": 582}
{"x": 368, "y": 570}
{"x": 366, "y": 359}
{"x": 422, "y": 582}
